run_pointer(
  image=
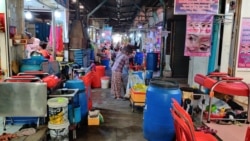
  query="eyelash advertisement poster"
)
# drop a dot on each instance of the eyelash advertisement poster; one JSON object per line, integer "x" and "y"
{"x": 198, "y": 35}
{"x": 244, "y": 48}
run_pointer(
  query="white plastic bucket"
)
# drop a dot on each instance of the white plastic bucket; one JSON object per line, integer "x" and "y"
{"x": 58, "y": 110}
{"x": 105, "y": 82}
{"x": 59, "y": 132}
{"x": 66, "y": 55}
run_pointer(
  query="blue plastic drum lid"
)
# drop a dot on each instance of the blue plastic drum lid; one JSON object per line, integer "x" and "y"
{"x": 75, "y": 84}
{"x": 158, "y": 123}
{"x": 159, "y": 82}
{"x": 139, "y": 58}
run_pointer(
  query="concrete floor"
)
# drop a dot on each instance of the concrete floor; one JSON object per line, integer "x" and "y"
{"x": 120, "y": 123}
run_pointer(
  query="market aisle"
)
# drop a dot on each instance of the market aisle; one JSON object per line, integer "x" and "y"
{"x": 120, "y": 123}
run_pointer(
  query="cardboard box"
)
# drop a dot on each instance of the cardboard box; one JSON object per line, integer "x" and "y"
{"x": 93, "y": 120}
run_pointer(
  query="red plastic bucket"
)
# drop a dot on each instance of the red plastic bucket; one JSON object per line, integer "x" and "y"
{"x": 100, "y": 72}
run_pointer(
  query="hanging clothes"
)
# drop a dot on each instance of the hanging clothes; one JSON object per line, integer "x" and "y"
{"x": 58, "y": 38}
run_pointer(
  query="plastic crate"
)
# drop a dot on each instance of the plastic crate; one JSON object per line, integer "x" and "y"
{"x": 93, "y": 120}
{"x": 137, "y": 96}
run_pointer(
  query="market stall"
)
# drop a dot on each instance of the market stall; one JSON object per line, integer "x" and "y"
{"x": 19, "y": 99}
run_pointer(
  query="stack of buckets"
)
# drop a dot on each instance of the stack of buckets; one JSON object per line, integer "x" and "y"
{"x": 58, "y": 119}
{"x": 78, "y": 56}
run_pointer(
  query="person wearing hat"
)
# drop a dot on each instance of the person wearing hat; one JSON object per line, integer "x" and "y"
{"x": 121, "y": 61}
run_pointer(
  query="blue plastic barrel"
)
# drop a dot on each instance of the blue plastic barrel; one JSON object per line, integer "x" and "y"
{"x": 138, "y": 58}
{"x": 75, "y": 84}
{"x": 158, "y": 123}
{"x": 30, "y": 68}
{"x": 105, "y": 62}
{"x": 152, "y": 60}
{"x": 149, "y": 74}
{"x": 81, "y": 98}
{"x": 33, "y": 61}
{"x": 74, "y": 113}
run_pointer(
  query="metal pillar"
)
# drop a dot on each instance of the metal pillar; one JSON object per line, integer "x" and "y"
{"x": 7, "y": 35}
{"x": 164, "y": 40}
{"x": 93, "y": 11}
{"x": 53, "y": 23}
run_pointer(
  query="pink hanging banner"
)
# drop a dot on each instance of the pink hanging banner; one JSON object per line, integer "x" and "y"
{"x": 2, "y": 22}
{"x": 244, "y": 48}
{"x": 198, "y": 35}
{"x": 184, "y": 7}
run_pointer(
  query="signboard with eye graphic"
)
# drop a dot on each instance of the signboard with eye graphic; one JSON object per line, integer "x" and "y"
{"x": 244, "y": 48}
{"x": 198, "y": 35}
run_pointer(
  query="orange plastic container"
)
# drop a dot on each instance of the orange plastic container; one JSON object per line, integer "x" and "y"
{"x": 87, "y": 78}
{"x": 100, "y": 70}
{"x": 137, "y": 96}
{"x": 97, "y": 75}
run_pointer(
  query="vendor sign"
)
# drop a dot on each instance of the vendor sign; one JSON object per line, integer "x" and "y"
{"x": 106, "y": 36}
{"x": 244, "y": 48}
{"x": 183, "y": 7}
{"x": 198, "y": 35}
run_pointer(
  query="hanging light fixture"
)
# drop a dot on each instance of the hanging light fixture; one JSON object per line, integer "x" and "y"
{"x": 81, "y": 6}
{"x": 28, "y": 15}
{"x": 57, "y": 13}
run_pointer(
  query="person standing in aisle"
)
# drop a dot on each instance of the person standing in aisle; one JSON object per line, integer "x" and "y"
{"x": 121, "y": 61}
